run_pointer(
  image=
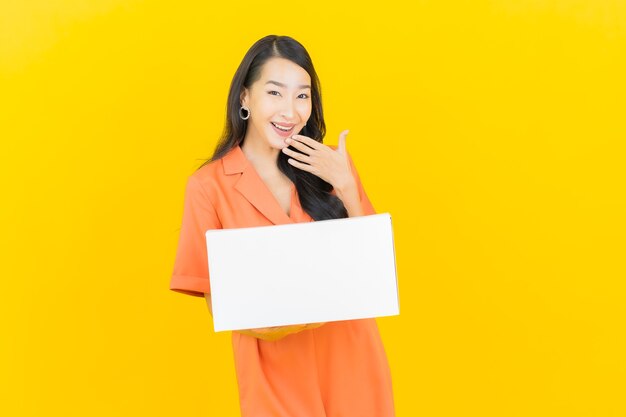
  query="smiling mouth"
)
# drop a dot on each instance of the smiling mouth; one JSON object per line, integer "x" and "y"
{"x": 284, "y": 129}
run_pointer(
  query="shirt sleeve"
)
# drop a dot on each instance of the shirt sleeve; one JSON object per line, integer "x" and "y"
{"x": 191, "y": 269}
{"x": 368, "y": 208}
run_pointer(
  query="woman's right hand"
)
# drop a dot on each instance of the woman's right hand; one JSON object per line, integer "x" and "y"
{"x": 278, "y": 332}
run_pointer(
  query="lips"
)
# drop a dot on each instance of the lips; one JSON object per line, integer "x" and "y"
{"x": 282, "y": 133}
{"x": 284, "y": 127}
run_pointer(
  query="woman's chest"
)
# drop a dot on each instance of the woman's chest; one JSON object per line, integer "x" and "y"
{"x": 281, "y": 191}
{"x": 271, "y": 203}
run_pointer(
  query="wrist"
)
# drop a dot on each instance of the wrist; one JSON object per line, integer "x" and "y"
{"x": 347, "y": 190}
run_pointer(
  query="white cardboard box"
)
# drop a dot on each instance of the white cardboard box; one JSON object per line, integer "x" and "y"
{"x": 329, "y": 270}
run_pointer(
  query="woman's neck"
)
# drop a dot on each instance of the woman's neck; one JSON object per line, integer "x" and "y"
{"x": 263, "y": 157}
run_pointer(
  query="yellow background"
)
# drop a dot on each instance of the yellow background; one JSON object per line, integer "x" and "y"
{"x": 492, "y": 131}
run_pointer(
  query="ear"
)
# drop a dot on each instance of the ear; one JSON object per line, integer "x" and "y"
{"x": 243, "y": 97}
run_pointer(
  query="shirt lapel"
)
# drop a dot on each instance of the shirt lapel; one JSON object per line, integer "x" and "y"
{"x": 252, "y": 187}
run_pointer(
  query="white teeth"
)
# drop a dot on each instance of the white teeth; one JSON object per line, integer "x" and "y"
{"x": 282, "y": 128}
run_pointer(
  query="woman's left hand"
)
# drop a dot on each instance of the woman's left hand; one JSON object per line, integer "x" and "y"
{"x": 330, "y": 165}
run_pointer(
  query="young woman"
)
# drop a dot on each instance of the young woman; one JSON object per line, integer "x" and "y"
{"x": 271, "y": 167}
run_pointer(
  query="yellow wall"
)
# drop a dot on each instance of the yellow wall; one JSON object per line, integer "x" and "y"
{"x": 490, "y": 130}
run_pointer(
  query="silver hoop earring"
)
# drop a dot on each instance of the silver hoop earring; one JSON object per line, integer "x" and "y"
{"x": 247, "y": 110}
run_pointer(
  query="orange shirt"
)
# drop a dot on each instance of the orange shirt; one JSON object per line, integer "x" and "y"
{"x": 338, "y": 369}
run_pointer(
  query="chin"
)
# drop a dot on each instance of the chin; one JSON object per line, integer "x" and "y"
{"x": 276, "y": 142}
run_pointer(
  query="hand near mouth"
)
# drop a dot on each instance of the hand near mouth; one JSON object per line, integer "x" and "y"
{"x": 333, "y": 166}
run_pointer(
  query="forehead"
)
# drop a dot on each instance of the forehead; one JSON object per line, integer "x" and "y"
{"x": 284, "y": 71}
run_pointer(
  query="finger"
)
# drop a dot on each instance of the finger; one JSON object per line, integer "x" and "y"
{"x": 297, "y": 155}
{"x": 302, "y": 166}
{"x": 342, "y": 142}
{"x": 308, "y": 141}
{"x": 265, "y": 335}
{"x": 299, "y": 145}
{"x": 262, "y": 330}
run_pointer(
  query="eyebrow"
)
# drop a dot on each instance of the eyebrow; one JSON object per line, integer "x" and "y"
{"x": 284, "y": 85}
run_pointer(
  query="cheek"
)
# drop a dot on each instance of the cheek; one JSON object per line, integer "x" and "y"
{"x": 304, "y": 109}
{"x": 264, "y": 107}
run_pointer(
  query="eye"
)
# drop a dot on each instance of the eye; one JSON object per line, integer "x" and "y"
{"x": 273, "y": 91}
{"x": 305, "y": 95}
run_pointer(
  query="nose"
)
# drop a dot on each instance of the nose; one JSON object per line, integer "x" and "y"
{"x": 288, "y": 110}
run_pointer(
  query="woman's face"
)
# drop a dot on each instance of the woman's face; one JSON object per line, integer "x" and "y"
{"x": 281, "y": 96}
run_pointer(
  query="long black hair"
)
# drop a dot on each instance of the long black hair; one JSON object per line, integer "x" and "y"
{"x": 314, "y": 192}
